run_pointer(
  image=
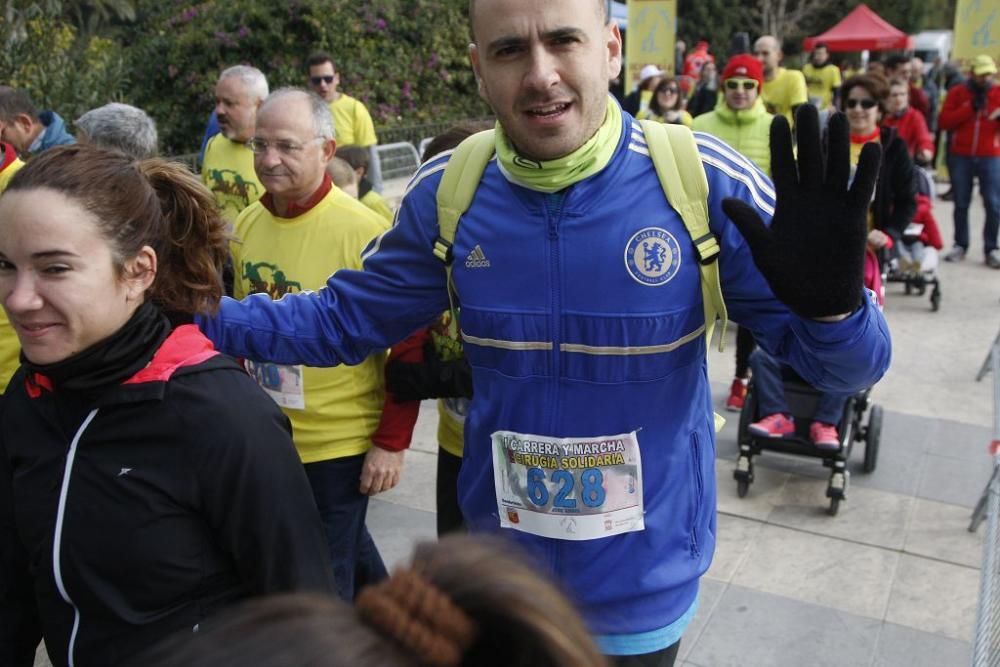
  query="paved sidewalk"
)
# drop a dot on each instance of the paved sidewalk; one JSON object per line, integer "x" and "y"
{"x": 893, "y": 579}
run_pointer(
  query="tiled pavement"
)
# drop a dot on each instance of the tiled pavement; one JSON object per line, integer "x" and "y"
{"x": 891, "y": 580}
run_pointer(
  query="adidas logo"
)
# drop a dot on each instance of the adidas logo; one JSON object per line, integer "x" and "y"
{"x": 477, "y": 259}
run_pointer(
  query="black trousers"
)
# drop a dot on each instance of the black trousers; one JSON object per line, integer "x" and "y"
{"x": 745, "y": 345}
{"x": 449, "y": 516}
{"x": 664, "y": 658}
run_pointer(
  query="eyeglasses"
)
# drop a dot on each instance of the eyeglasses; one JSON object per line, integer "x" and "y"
{"x": 866, "y": 103}
{"x": 260, "y": 146}
{"x": 316, "y": 80}
{"x": 736, "y": 84}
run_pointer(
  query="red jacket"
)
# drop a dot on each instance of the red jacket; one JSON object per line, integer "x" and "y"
{"x": 912, "y": 129}
{"x": 974, "y": 134}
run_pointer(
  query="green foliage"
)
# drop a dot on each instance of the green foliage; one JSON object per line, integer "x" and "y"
{"x": 405, "y": 59}
{"x": 61, "y": 72}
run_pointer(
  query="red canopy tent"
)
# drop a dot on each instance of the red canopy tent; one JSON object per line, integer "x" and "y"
{"x": 861, "y": 30}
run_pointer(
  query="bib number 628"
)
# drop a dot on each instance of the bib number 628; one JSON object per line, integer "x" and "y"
{"x": 591, "y": 492}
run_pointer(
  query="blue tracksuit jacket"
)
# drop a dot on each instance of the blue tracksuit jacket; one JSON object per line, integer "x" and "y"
{"x": 572, "y": 331}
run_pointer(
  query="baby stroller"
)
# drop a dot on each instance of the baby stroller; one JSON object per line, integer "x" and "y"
{"x": 802, "y": 400}
{"x": 914, "y": 261}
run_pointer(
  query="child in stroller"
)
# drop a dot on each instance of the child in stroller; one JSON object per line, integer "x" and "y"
{"x": 916, "y": 258}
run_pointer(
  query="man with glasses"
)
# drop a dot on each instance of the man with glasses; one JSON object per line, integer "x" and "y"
{"x": 350, "y": 117}
{"x": 784, "y": 89}
{"x": 741, "y": 120}
{"x": 300, "y": 232}
{"x": 227, "y": 168}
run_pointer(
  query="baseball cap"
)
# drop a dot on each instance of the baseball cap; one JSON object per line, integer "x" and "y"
{"x": 650, "y": 71}
{"x": 744, "y": 66}
{"x": 983, "y": 64}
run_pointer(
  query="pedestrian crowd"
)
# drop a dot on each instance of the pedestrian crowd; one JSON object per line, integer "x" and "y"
{"x": 211, "y": 375}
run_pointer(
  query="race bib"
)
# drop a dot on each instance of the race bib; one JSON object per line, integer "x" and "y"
{"x": 282, "y": 383}
{"x": 568, "y": 488}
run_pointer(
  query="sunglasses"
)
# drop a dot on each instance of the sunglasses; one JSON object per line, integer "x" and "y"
{"x": 866, "y": 103}
{"x": 670, "y": 90}
{"x": 316, "y": 80}
{"x": 746, "y": 84}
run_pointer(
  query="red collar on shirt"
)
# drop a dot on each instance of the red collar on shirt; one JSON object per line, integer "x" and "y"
{"x": 7, "y": 155}
{"x": 874, "y": 136}
{"x": 296, "y": 209}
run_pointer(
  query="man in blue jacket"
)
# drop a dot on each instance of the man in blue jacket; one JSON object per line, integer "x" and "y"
{"x": 28, "y": 130}
{"x": 590, "y": 439}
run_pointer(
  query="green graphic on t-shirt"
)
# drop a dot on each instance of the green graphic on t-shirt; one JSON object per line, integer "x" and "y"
{"x": 279, "y": 284}
{"x": 230, "y": 183}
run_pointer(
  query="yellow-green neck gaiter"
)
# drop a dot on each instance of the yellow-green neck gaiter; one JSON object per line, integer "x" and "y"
{"x": 554, "y": 175}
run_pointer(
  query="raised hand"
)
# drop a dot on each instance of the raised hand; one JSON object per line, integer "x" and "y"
{"x": 812, "y": 255}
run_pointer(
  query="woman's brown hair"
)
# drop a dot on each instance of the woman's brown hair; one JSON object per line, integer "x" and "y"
{"x": 654, "y": 102}
{"x": 464, "y": 601}
{"x": 137, "y": 203}
{"x": 874, "y": 84}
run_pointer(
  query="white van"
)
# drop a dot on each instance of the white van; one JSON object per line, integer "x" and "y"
{"x": 931, "y": 44}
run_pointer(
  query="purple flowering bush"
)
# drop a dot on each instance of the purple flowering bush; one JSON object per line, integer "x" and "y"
{"x": 405, "y": 59}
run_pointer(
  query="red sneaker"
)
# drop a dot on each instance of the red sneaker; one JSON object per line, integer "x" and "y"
{"x": 773, "y": 426}
{"x": 737, "y": 395}
{"x": 824, "y": 436}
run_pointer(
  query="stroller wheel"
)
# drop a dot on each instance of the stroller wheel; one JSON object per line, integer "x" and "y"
{"x": 834, "y": 506}
{"x": 935, "y": 299}
{"x": 742, "y": 487}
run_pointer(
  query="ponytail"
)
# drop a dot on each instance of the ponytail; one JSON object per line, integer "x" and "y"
{"x": 151, "y": 202}
{"x": 193, "y": 243}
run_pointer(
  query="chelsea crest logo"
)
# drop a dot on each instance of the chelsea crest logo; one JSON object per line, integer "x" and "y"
{"x": 652, "y": 256}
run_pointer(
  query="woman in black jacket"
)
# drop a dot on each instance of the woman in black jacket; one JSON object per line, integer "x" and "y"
{"x": 863, "y": 99}
{"x": 145, "y": 480}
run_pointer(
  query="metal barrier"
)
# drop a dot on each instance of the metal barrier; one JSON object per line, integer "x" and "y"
{"x": 417, "y": 133}
{"x": 397, "y": 160}
{"x": 986, "y": 648}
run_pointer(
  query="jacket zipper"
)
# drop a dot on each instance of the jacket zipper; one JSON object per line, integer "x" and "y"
{"x": 975, "y": 136}
{"x": 699, "y": 484}
{"x": 57, "y": 539}
{"x": 553, "y": 207}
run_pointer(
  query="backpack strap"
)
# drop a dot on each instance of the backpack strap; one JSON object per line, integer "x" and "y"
{"x": 458, "y": 185}
{"x": 671, "y": 146}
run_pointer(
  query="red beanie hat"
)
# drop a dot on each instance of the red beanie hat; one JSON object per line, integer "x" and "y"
{"x": 744, "y": 66}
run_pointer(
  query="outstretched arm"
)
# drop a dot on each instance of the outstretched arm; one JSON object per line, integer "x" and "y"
{"x": 401, "y": 289}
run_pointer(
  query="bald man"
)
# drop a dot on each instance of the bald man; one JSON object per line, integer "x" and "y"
{"x": 784, "y": 89}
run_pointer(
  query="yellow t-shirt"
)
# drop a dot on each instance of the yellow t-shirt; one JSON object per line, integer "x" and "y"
{"x": 821, "y": 81}
{"x": 352, "y": 123}
{"x": 685, "y": 117}
{"x": 229, "y": 173}
{"x": 341, "y": 406}
{"x": 377, "y": 203}
{"x": 786, "y": 90}
{"x": 10, "y": 346}
{"x": 451, "y": 424}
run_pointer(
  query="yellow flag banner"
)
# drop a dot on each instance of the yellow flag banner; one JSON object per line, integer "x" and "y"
{"x": 649, "y": 39}
{"x": 977, "y": 30}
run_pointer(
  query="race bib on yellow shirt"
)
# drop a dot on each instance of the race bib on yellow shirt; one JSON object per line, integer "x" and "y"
{"x": 568, "y": 488}
{"x": 282, "y": 383}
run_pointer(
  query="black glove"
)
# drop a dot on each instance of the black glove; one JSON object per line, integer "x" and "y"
{"x": 431, "y": 378}
{"x": 812, "y": 256}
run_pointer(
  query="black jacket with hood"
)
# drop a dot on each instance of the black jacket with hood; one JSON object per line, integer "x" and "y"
{"x": 133, "y": 506}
